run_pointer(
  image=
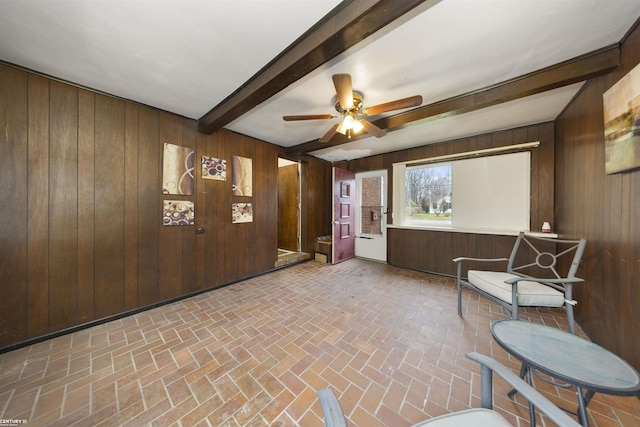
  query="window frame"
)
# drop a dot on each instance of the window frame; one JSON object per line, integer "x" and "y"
{"x": 524, "y": 196}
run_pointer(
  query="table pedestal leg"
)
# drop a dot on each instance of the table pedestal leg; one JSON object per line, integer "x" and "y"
{"x": 583, "y": 400}
{"x": 532, "y": 411}
{"x": 523, "y": 371}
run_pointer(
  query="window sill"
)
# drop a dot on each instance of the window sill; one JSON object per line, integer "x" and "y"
{"x": 473, "y": 231}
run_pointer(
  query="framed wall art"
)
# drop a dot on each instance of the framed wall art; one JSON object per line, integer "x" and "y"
{"x": 177, "y": 170}
{"x": 178, "y": 212}
{"x": 241, "y": 212}
{"x": 242, "y": 176}
{"x": 622, "y": 124}
{"x": 214, "y": 168}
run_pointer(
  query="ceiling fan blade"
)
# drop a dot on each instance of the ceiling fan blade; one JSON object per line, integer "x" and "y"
{"x": 344, "y": 90}
{"x": 327, "y": 136}
{"x": 373, "y": 129}
{"x": 412, "y": 101}
{"x": 308, "y": 117}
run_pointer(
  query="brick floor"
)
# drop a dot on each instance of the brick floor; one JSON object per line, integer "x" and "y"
{"x": 388, "y": 342}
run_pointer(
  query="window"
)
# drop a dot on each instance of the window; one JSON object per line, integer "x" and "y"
{"x": 371, "y": 205}
{"x": 481, "y": 193}
{"x": 428, "y": 195}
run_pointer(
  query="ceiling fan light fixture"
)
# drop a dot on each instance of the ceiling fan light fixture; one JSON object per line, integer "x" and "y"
{"x": 349, "y": 104}
{"x": 357, "y": 126}
{"x": 348, "y": 121}
{"x": 349, "y": 125}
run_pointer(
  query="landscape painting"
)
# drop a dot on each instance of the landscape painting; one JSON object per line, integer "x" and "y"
{"x": 622, "y": 124}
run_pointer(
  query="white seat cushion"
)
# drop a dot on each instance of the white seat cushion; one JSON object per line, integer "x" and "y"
{"x": 529, "y": 293}
{"x": 471, "y": 417}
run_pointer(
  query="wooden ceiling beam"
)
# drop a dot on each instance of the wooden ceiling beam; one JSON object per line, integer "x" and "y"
{"x": 348, "y": 24}
{"x": 565, "y": 73}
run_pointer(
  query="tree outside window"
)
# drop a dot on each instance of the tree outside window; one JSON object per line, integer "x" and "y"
{"x": 428, "y": 194}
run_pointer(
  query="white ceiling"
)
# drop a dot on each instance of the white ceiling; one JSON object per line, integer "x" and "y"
{"x": 187, "y": 56}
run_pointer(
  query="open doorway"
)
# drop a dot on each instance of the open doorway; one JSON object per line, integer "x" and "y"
{"x": 289, "y": 208}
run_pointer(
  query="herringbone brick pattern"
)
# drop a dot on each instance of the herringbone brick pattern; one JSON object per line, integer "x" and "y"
{"x": 387, "y": 340}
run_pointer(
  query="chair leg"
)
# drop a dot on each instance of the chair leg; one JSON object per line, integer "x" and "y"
{"x": 514, "y": 301}
{"x": 514, "y": 312}
{"x": 458, "y": 278}
{"x": 486, "y": 387}
{"x": 532, "y": 411}
{"x": 570, "y": 319}
{"x": 568, "y": 306}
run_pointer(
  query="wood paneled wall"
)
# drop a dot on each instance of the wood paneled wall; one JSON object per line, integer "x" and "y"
{"x": 433, "y": 250}
{"x": 605, "y": 210}
{"x": 426, "y": 250}
{"x": 81, "y": 237}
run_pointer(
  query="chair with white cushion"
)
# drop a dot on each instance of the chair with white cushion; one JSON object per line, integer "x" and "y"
{"x": 477, "y": 417}
{"x": 533, "y": 277}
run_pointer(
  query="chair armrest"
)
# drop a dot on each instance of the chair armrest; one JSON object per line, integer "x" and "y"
{"x": 459, "y": 259}
{"x": 554, "y": 413}
{"x": 548, "y": 281}
{"x": 333, "y": 414}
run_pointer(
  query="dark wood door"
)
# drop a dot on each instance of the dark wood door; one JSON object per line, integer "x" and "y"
{"x": 288, "y": 207}
{"x": 344, "y": 198}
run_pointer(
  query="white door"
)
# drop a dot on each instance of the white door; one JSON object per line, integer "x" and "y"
{"x": 371, "y": 218}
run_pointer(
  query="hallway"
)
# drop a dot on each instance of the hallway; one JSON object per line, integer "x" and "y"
{"x": 387, "y": 340}
{"x": 286, "y": 257}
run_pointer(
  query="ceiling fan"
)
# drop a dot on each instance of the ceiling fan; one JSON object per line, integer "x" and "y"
{"x": 349, "y": 104}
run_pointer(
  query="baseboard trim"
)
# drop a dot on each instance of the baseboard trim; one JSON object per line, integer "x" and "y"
{"x": 56, "y": 334}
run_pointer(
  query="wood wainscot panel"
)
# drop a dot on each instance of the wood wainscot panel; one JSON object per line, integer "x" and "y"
{"x": 189, "y": 237}
{"x": 249, "y": 256}
{"x": 86, "y": 205}
{"x": 38, "y": 203}
{"x": 171, "y": 236}
{"x": 109, "y": 207}
{"x": 434, "y": 251}
{"x": 234, "y": 234}
{"x": 13, "y": 210}
{"x": 266, "y": 213}
{"x": 131, "y": 206}
{"x": 63, "y": 206}
{"x": 149, "y": 208}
